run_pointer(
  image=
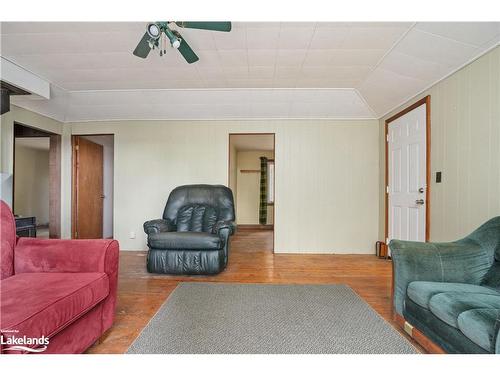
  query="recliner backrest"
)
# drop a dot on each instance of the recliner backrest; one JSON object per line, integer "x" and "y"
{"x": 196, "y": 218}
{"x": 199, "y": 207}
{"x": 7, "y": 241}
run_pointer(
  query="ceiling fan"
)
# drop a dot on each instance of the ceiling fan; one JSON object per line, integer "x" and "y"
{"x": 157, "y": 34}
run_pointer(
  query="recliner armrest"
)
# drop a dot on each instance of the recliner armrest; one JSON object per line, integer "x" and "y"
{"x": 158, "y": 226}
{"x": 463, "y": 261}
{"x": 221, "y": 224}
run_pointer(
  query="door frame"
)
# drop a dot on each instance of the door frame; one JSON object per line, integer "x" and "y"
{"x": 55, "y": 152}
{"x": 427, "y": 102}
{"x": 74, "y": 187}
{"x": 256, "y": 226}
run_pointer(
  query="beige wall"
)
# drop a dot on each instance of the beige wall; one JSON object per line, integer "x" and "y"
{"x": 32, "y": 183}
{"x": 326, "y": 176}
{"x": 248, "y": 187}
{"x": 465, "y": 147}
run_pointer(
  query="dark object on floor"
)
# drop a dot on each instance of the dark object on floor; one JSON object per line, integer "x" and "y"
{"x": 193, "y": 236}
{"x": 381, "y": 250}
{"x": 63, "y": 290}
{"x": 26, "y": 226}
{"x": 451, "y": 291}
{"x": 220, "y": 318}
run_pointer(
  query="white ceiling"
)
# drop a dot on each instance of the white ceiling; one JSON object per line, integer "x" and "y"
{"x": 253, "y": 142}
{"x": 366, "y": 69}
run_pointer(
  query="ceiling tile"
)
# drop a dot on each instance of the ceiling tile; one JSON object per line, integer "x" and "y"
{"x": 262, "y": 37}
{"x": 373, "y": 37}
{"x": 411, "y": 66}
{"x": 291, "y": 57}
{"x": 262, "y": 56}
{"x": 295, "y": 37}
{"x": 329, "y": 37}
{"x": 235, "y": 39}
{"x": 233, "y": 57}
{"x": 434, "y": 48}
{"x": 476, "y": 33}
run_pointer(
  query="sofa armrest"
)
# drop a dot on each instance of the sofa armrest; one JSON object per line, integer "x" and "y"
{"x": 224, "y": 224}
{"x": 463, "y": 261}
{"x": 50, "y": 255}
{"x": 158, "y": 226}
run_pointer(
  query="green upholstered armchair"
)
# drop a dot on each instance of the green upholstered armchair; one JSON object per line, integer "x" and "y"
{"x": 451, "y": 291}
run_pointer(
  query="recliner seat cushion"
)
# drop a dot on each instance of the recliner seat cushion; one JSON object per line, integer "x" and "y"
{"x": 448, "y": 306}
{"x": 196, "y": 218}
{"x": 37, "y": 304}
{"x": 421, "y": 292}
{"x": 481, "y": 326}
{"x": 185, "y": 241}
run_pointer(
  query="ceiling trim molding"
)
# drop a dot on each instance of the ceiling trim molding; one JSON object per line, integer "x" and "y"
{"x": 468, "y": 62}
{"x": 232, "y": 119}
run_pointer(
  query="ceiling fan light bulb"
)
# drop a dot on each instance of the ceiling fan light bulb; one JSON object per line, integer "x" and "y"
{"x": 176, "y": 43}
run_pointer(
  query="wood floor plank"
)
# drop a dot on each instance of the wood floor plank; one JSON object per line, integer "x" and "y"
{"x": 251, "y": 260}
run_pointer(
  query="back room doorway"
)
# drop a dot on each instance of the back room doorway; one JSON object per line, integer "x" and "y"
{"x": 251, "y": 178}
{"x": 92, "y": 186}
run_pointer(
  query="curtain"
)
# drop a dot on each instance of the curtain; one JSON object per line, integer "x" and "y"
{"x": 263, "y": 191}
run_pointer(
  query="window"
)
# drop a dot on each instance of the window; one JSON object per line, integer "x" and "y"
{"x": 270, "y": 181}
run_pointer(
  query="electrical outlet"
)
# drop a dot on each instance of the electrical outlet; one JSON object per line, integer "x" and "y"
{"x": 132, "y": 235}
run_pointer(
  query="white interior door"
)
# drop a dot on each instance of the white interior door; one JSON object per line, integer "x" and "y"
{"x": 407, "y": 168}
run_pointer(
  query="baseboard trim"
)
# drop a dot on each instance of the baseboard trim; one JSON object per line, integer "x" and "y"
{"x": 418, "y": 336}
{"x": 255, "y": 227}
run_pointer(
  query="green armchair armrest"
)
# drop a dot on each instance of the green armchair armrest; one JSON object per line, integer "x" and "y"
{"x": 463, "y": 261}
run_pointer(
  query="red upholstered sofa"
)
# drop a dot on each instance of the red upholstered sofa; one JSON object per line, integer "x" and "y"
{"x": 63, "y": 290}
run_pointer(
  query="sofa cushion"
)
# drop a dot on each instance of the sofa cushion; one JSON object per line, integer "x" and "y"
{"x": 421, "y": 292}
{"x": 448, "y": 306}
{"x": 480, "y": 326}
{"x": 7, "y": 241}
{"x": 185, "y": 241}
{"x": 36, "y": 304}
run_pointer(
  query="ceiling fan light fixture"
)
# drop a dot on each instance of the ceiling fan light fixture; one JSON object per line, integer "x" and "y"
{"x": 154, "y": 30}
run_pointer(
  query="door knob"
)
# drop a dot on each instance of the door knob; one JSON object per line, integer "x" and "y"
{"x": 421, "y": 190}
{"x": 419, "y": 201}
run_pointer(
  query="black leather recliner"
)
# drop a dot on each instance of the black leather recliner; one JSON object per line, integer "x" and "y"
{"x": 193, "y": 236}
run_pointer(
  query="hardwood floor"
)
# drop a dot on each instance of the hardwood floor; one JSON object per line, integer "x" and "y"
{"x": 251, "y": 260}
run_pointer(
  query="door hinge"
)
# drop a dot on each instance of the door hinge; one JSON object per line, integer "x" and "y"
{"x": 77, "y": 147}
{"x": 387, "y": 189}
{"x": 387, "y": 138}
{"x": 76, "y": 234}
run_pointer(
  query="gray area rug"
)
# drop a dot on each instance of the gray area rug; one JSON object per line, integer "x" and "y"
{"x": 264, "y": 318}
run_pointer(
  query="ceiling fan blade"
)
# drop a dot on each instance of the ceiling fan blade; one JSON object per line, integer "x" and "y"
{"x": 185, "y": 50}
{"x": 142, "y": 49}
{"x": 215, "y": 26}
